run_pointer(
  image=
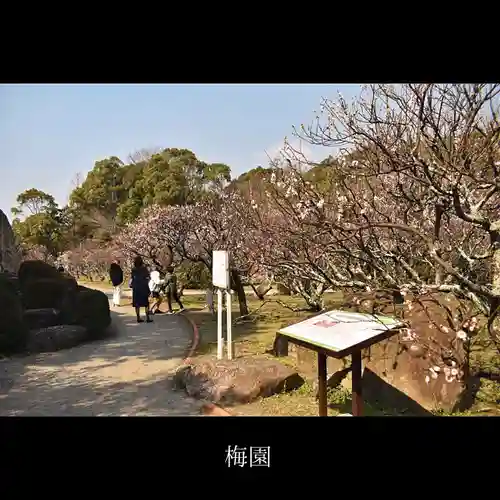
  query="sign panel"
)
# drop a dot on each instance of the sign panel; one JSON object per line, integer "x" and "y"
{"x": 220, "y": 269}
{"x": 340, "y": 330}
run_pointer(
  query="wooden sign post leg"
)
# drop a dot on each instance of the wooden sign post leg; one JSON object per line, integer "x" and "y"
{"x": 357, "y": 397}
{"x": 323, "y": 405}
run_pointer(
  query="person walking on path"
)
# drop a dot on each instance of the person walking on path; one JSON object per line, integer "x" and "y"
{"x": 140, "y": 289}
{"x": 116, "y": 277}
{"x": 171, "y": 289}
{"x": 155, "y": 286}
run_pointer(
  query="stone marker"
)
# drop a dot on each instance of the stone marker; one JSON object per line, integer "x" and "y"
{"x": 237, "y": 381}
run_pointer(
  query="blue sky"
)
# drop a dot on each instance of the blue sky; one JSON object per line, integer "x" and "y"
{"x": 49, "y": 133}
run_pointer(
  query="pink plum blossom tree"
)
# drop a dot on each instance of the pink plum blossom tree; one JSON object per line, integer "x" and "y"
{"x": 192, "y": 233}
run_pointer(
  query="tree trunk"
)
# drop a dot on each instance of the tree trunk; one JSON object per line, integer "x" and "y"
{"x": 237, "y": 286}
{"x": 313, "y": 296}
{"x": 495, "y": 281}
{"x": 495, "y": 261}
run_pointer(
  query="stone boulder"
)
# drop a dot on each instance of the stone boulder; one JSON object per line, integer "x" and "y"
{"x": 46, "y": 293}
{"x": 263, "y": 288}
{"x": 10, "y": 257}
{"x": 45, "y": 310}
{"x": 44, "y": 287}
{"x": 238, "y": 381}
{"x": 13, "y": 331}
{"x": 399, "y": 374}
{"x": 41, "y": 318}
{"x": 283, "y": 290}
{"x": 32, "y": 270}
{"x": 92, "y": 309}
{"x": 55, "y": 338}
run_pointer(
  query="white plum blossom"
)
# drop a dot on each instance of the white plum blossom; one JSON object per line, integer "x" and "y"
{"x": 448, "y": 375}
{"x": 473, "y": 324}
{"x": 409, "y": 305}
{"x": 409, "y": 335}
{"x": 461, "y": 335}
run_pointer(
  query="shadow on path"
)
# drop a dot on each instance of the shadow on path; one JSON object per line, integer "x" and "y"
{"x": 128, "y": 374}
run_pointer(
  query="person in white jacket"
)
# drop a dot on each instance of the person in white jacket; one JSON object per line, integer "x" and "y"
{"x": 155, "y": 284}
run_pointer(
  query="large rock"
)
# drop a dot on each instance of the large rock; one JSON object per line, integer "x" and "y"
{"x": 13, "y": 331}
{"x": 46, "y": 293}
{"x": 10, "y": 257}
{"x": 399, "y": 374}
{"x": 238, "y": 381}
{"x": 283, "y": 290}
{"x": 44, "y": 287}
{"x": 41, "y": 318}
{"x": 55, "y": 338}
{"x": 45, "y": 310}
{"x": 92, "y": 309}
{"x": 33, "y": 270}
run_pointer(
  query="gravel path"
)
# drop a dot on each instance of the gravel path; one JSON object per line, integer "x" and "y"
{"x": 129, "y": 374}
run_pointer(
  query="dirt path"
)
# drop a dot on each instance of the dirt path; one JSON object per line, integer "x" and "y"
{"x": 125, "y": 375}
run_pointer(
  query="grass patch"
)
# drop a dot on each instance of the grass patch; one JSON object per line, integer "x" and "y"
{"x": 255, "y": 335}
{"x": 301, "y": 402}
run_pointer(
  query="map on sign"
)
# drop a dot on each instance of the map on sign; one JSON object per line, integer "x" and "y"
{"x": 339, "y": 330}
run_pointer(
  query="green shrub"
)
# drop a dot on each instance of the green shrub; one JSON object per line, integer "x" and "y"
{"x": 13, "y": 331}
{"x": 92, "y": 310}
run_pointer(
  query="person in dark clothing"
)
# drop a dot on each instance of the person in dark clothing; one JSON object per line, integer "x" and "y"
{"x": 116, "y": 277}
{"x": 140, "y": 289}
{"x": 171, "y": 289}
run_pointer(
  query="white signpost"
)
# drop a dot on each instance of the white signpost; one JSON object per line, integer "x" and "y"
{"x": 220, "y": 280}
{"x": 339, "y": 334}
